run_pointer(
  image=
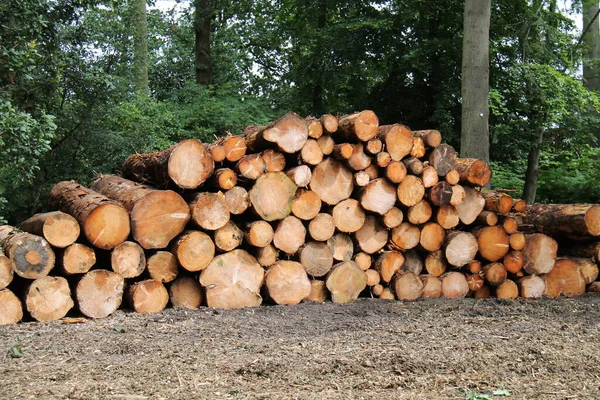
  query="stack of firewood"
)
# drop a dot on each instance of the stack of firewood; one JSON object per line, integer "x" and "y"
{"x": 302, "y": 209}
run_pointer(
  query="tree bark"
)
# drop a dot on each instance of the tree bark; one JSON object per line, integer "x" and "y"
{"x": 203, "y": 14}
{"x": 570, "y": 221}
{"x": 140, "y": 48}
{"x": 591, "y": 39}
{"x": 58, "y": 228}
{"x": 533, "y": 166}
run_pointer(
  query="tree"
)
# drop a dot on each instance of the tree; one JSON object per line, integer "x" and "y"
{"x": 140, "y": 47}
{"x": 475, "y": 80}
{"x": 202, "y": 29}
{"x": 591, "y": 38}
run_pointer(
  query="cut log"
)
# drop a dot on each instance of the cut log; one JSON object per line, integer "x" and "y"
{"x": 345, "y": 281}
{"x": 419, "y": 213}
{"x": 194, "y": 250}
{"x": 162, "y": 266}
{"x": 383, "y": 159}
{"x": 413, "y": 165}
{"x": 148, "y": 296}
{"x": 460, "y": 248}
{"x": 398, "y": 140}
{"x": 473, "y": 171}
{"x": 497, "y": 202}
{"x": 508, "y": 290}
{"x": 572, "y": 221}
{"x": 405, "y": 237}
{"x": 387, "y": 294}
{"x": 475, "y": 282}
{"x": 311, "y": 153}
{"x": 432, "y": 236}
{"x": 329, "y": 123}
{"x": 58, "y": 228}
{"x": 413, "y": 262}
{"x": 454, "y": 285}
{"x": 186, "y": 292}
{"x": 510, "y": 225}
{"x": 407, "y": 286}
{"x": 373, "y": 277}
{"x": 539, "y": 253}
{"x": 393, "y": 218}
{"x": 217, "y": 152}
{"x": 322, "y": 227}
{"x": 228, "y": 237}
{"x": 234, "y": 147}
{"x": 361, "y": 178}
{"x": 396, "y": 171}
{"x": 410, "y": 190}
{"x": 233, "y": 280}
{"x": 519, "y": 205}
{"x": 430, "y": 177}
{"x": 374, "y": 146}
{"x": 372, "y": 171}
{"x": 493, "y": 242}
{"x": 332, "y": 181}
{"x": 342, "y": 151}
{"x": 441, "y": 193}
{"x": 377, "y": 290}
{"x": 517, "y": 241}
{"x": 48, "y": 298}
{"x": 274, "y": 160}
{"x": 494, "y": 273}
{"x": 431, "y": 137}
{"x": 341, "y": 246}
{"x": 210, "y": 211}
{"x": 378, "y": 196}
{"x": 363, "y": 260}
{"x": 259, "y": 233}
{"x": 289, "y": 133}
{"x": 474, "y": 267}
{"x": 306, "y": 204}
{"x": 447, "y": 216}
{"x": 362, "y": 126}
{"x": 224, "y": 178}
{"x": 348, "y": 215}
{"x": 452, "y": 177}
{"x": 266, "y": 256}
{"x": 251, "y": 166}
{"x": 513, "y": 261}
{"x": 435, "y": 263}
{"x": 388, "y": 264}
{"x": 238, "y": 200}
{"x": 290, "y": 235}
{"x": 187, "y": 164}
{"x": 418, "y": 149}
{"x": 531, "y": 287}
{"x": 432, "y": 287}
{"x": 99, "y": 293}
{"x": 458, "y": 195}
{"x": 318, "y": 292}
{"x": 11, "y": 309}
{"x": 286, "y": 282}
{"x": 471, "y": 206}
{"x": 489, "y": 218}
{"x": 315, "y": 129}
{"x": 358, "y": 160}
{"x": 105, "y": 222}
{"x": 316, "y": 258}
{"x": 156, "y": 216}
{"x": 128, "y": 260}
{"x": 327, "y": 144}
{"x": 6, "y": 270}
{"x": 443, "y": 159}
{"x": 483, "y": 293}
{"x": 77, "y": 259}
{"x": 372, "y": 236}
{"x": 300, "y": 175}
{"x": 564, "y": 279}
{"x": 31, "y": 256}
{"x": 588, "y": 268}
{"x": 594, "y": 287}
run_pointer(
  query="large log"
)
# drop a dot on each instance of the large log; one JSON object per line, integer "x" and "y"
{"x": 398, "y": 140}
{"x": 443, "y": 158}
{"x": 156, "y": 216}
{"x": 539, "y": 253}
{"x": 362, "y": 126}
{"x": 497, "y": 202}
{"x": 454, "y": 285}
{"x": 271, "y": 196}
{"x": 148, "y": 296}
{"x": 565, "y": 279}
{"x": 58, "y": 228}
{"x": 48, "y": 298}
{"x": 332, "y": 181}
{"x": 372, "y": 236}
{"x": 460, "y": 248}
{"x": 345, "y": 281}
{"x": 432, "y": 236}
{"x": 289, "y": 133}
{"x": 287, "y": 283}
{"x": 329, "y": 122}
{"x": 128, "y": 260}
{"x": 274, "y": 160}
{"x": 99, "y": 293}
{"x": 572, "y": 221}
{"x": 431, "y": 137}
{"x": 11, "y": 309}
{"x": 31, "y": 256}
{"x": 233, "y": 280}
{"x": 290, "y": 235}
{"x": 315, "y": 129}
{"x": 407, "y": 286}
{"x": 348, "y": 215}
{"x": 495, "y": 273}
{"x": 473, "y": 171}
{"x": 186, "y": 292}
{"x": 194, "y": 250}
{"x": 471, "y": 206}
{"x": 6, "y": 270}
{"x": 186, "y": 164}
{"x": 210, "y": 211}
{"x": 492, "y": 242}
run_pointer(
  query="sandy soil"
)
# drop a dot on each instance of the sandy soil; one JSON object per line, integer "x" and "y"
{"x": 371, "y": 349}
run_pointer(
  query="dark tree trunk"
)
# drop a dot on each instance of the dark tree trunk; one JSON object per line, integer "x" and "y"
{"x": 140, "y": 47}
{"x": 533, "y": 170}
{"x": 202, "y": 28}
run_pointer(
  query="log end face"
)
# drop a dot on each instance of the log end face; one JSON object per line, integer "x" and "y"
{"x": 61, "y": 230}
{"x": 190, "y": 164}
{"x": 290, "y": 133}
{"x": 592, "y": 220}
{"x": 272, "y": 195}
{"x": 366, "y": 125}
{"x": 107, "y": 226}
{"x": 11, "y": 309}
{"x": 99, "y": 293}
{"x": 49, "y": 299}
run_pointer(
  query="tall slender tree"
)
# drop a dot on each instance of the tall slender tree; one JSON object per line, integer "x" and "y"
{"x": 140, "y": 47}
{"x": 591, "y": 38}
{"x": 202, "y": 28}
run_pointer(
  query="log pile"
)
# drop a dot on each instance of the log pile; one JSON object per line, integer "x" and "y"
{"x": 303, "y": 209}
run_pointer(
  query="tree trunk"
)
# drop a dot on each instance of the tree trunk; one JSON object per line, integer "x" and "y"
{"x": 77, "y": 259}
{"x": 31, "y": 256}
{"x": 475, "y": 80}
{"x": 11, "y": 309}
{"x": 148, "y": 296}
{"x": 59, "y": 229}
{"x": 591, "y": 39}
{"x": 332, "y": 181}
{"x": 140, "y": 48}
{"x": 194, "y": 250}
{"x": 286, "y": 282}
{"x": 105, "y": 222}
{"x": 345, "y": 282}
{"x": 533, "y": 167}
{"x": 128, "y": 260}
{"x": 203, "y": 14}
{"x": 186, "y": 292}
{"x": 48, "y": 298}
{"x": 162, "y": 266}
{"x": 156, "y": 216}
{"x": 571, "y": 221}
{"x": 316, "y": 258}
{"x": 210, "y": 211}
{"x": 99, "y": 293}
{"x": 271, "y": 196}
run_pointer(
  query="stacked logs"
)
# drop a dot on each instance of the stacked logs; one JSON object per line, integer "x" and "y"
{"x": 301, "y": 209}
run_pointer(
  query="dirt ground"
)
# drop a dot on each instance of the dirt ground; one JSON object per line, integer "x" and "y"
{"x": 371, "y": 349}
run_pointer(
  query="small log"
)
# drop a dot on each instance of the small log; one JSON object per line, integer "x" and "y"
{"x": 311, "y": 153}
{"x": 301, "y": 175}
{"x": 458, "y": 195}
{"x": 315, "y": 129}
{"x": 288, "y": 133}
{"x": 471, "y": 206}
{"x": 517, "y": 240}
{"x": 316, "y": 258}
{"x": 539, "y": 254}
{"x": 388, "y": 264}
{"x": 286, "y": 282}
{"x": 588, "y": 268}
{"x": 489, "y": 218}
{"x": 306, "y": 204}
{"x": 430, "y": 177}
{"x": 383, "y": 159}
{"x": 259, "y": 233}
{"x": 217, "y": 152}
{"x": 454, "y": 285}
{"x": 431, "y": 137}
{"x": 418, "y": 149}
{"x": 413, "y": 262}
{"x": 361, "y": 178}
{"x": 105, "y": 222}
{"x": 395, "y": 171}
{"x": 332, "y": 181}
{"x": 186, "y": 292}
{"x": 156, "y": 216}
{"x": 571, "y": 221}
{"x": 414, "y": 166}
{"x": 363, "y": 260}
{"x": 398, "y": 140}
{"x": 358, "y": 160}
{"x": 372, "y": 171}
{"x": 497, "y": 202}
{"x": 362, "y": 126}
{"x": 419, "y": 213}
{"x": 48, "y": 298}
{"x": 508, "y": 290}
{"x": 6, "y": 270}
{"x": 379, "y": 196}
{"x": 411, "y": 190}
{"x": 475, "y": 282}
{"x": 58, "y": 228}
{"x": 224, "y": 178}
{"x": 393, "y": 218}
{"x": 377, "y": 290}
{"x": 373, "y": 277}
{"x": 406, "y": 236}
{"x": 148, "y": 296}
{"x": 494, "y": 273}
{"x": 483, "y": 293}
{"x": 594, "y": 287}
{"x": 267, "y": 256}
{"x": 342, "y": 151}
{"x": 187, "y": 164}
{"x": 234, "y": 147}
{"x": 326, "y": 144}
{"x": 513, "y": 261}
{"x": 452, "y": 177}
{"x": 11, "y": 309}
{"x": 473, "y": 171}
{"x": 387, "y": 294}
{"x": 474, "y": 267}
{"x": 519, "y": 205}
{"x": 329, "y": 123}
{"x": 341, "y": 246}
{"x": 460, "y": 248}
{"x": 194, "y": 250}
{"x": 128, "y": 260}
{"x": 510, "y": 225}
{"x": 531, "y": 287}
{"x": 345, "y": 281}
{"x": 435, "y": 263}
{"x": 564, "y": 279}
{"x": 251, "y": 166}
{"x": 493, "y": 242}
{"x": 348, "y": 215}
{"x": 271, "y": 196}
{"x": 372, "y": 236}
{"x": 322, "y": 227}
{"x": 238, "y": 200}
{"x": 162, "y": 266}
{"x": 432, "y": 287}
{"x": 274, "y": 160}
{"x": 432, "y": 236}
{"x": 374, "y": 146}
{"x": 443, "y": 159}
{"x": 77, "y": 259}
{"x": 99, "y": 293}
{"x": 233, "y": 280}
{"x": 228, "y": 237}
{"x": 447, "y": 216}
{"x": 31, "y": 256}
{"x": 407, "y": 286}
{"x": 441, "y": 193}
{"x": 290, "y": 235}
{"x": 318, "y": 292}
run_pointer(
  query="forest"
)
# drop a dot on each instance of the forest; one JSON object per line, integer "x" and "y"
{"x": 85, "y": 83}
